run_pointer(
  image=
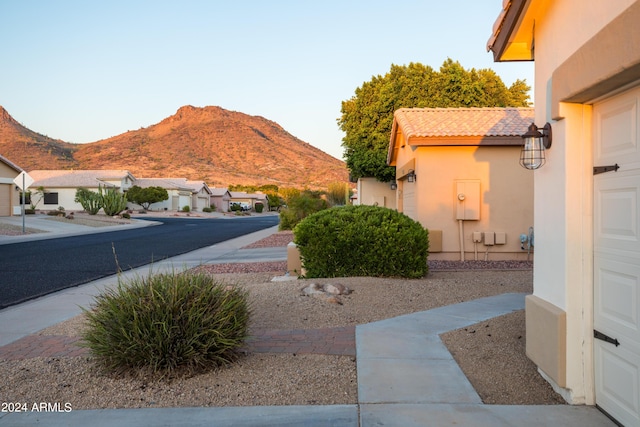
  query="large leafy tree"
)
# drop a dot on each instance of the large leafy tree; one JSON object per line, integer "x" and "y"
{"x": 368, "y": 116}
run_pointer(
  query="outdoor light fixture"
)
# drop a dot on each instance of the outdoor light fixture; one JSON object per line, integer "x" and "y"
{"x": 411, "y": 176}
{"x": 394, "y": 186}
{"x": 535, "y": 142}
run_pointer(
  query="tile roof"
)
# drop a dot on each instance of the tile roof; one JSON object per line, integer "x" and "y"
{"x": 75, "y": 178}
{"x": 168, "y": 183}
{"x": 196, "y": 186}
{"x": 451, "y": 122}
{"x": 219, "y": 191}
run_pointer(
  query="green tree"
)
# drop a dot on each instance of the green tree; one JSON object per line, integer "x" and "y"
{"x": 367, "y": 117}
{"x": 145, "y": 197}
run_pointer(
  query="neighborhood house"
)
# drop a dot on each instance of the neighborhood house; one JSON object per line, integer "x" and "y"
{"x": 60, "y": 186}
{"x": 457, "y": 173}
{"x": 9, "y": 197}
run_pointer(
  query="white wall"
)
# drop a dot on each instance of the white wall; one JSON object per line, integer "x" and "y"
{"x": 563, "y": 272}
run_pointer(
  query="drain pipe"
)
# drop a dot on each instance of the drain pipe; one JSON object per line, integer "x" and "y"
{"x": 461, "y": 229}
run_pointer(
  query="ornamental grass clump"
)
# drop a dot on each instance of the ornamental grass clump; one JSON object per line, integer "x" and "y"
{"x": 164, "y": 323}
{"x": 362, "y": 241}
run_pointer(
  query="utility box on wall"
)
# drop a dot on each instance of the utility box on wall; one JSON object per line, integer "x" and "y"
{"x": 467, "y": 199}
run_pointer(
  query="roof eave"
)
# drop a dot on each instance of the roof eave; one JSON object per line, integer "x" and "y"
{"x": 512, "y": 37}
{"x": 466, "y": 141}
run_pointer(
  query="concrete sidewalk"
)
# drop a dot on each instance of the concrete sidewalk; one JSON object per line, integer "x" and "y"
{"x": 406, "y": 376}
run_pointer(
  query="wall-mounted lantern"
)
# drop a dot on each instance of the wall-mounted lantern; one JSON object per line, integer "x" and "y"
{"x": 411, "y": 176}
{"x": 394, "y": 185}
{"x": 535, "y": 142}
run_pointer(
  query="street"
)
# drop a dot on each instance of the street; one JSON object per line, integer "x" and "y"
{"x": 33, "y": 269}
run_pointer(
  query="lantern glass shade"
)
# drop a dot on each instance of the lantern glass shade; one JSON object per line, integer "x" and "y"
{"x": 535, "y": 142}
{"x": 532, "y": 154}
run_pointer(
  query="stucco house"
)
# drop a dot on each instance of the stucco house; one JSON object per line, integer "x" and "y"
{"x": 200, "y": 195}
{"x": 220, "y": 198}
{"x": 248, "y": 200}
{"x": 61, "y": 185}
{"x": 180, "y": 193}
{"x": 583, "y": 319}
{"x": 458, "y": 174}
{"x": 9, "y": 196}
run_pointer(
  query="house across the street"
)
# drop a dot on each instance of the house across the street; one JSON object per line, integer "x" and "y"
{"x": 9, "y": 195}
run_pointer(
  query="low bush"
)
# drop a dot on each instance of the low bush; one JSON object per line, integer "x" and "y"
{"x": 166, "y": 322}
{"x": 362, "y": 241}
{"x": 207, "y": 209}
{"x": 298, "y": 208}
{"x": 259, "y": 207}
{"x": 186, "y": 208}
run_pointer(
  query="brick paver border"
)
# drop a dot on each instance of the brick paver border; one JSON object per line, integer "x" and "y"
{"x": 334, "y": 341}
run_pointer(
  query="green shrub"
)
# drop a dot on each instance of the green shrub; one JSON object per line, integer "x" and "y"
{"x": 165, "y": 322}
{"x": 299, "y": 207}
{"x": 207, "y": 209}
{"x": 362, "y": 241}
{"x": 259, "y": 207}
{"x": 186, "y": 208}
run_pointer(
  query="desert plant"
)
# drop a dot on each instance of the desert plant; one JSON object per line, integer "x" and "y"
{"x": 259, "y": 207}
{"x": 186, "y": 208}
{"x": 39, "y": 193}
{"x": 90, "y": 201}
{"x": 165, "y": 322}
{"x": 58, "y": 212}
{"x": 299, "y": 207}
{"x": 113, "y": 201}
{"x": 207, "y": 209}
{"x": 362, "y": 241}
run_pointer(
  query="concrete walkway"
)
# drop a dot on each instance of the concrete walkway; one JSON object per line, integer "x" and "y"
{"x": 406, "y": 376}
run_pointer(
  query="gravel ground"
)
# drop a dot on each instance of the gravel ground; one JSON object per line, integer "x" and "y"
{"x": 491, "y": 353}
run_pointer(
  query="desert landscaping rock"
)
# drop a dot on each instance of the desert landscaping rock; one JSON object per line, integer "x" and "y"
{"x": 491, "y": 353}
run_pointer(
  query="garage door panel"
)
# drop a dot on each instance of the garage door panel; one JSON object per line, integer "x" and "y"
{"x": 617, "y": 296}
{"x": 616, "y": 129}
{"x": 620, "y": 381}
{"x": 616, "y": 202}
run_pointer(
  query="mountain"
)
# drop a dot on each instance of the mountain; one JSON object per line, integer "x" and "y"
{"x": 31, "y": 150}
{"x": 218, "y": 146}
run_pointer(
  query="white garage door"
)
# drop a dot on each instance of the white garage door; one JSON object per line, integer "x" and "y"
{"x": 617, "y": 257}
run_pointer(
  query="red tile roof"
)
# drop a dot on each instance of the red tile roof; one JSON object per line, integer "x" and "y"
{"x": 463, "y": 122}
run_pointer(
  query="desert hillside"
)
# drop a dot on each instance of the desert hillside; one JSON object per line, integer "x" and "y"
{"x": 212, "y": 144}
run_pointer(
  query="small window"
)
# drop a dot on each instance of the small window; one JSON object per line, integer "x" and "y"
{"x": 50, "y": 198}
{"x": 27, "y": 197}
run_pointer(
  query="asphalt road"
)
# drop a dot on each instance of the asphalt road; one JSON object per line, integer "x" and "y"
{"x": 32, "y": 269}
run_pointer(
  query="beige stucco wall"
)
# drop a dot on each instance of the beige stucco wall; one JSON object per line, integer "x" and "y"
{"x": 8, "y": 194}
{"x": 373, "y": 192}
{"x": 563, "y": 271}
{"x": 505, "y": 197}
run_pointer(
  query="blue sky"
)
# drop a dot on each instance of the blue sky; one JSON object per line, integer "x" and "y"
{"x": 83, "y": 70}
